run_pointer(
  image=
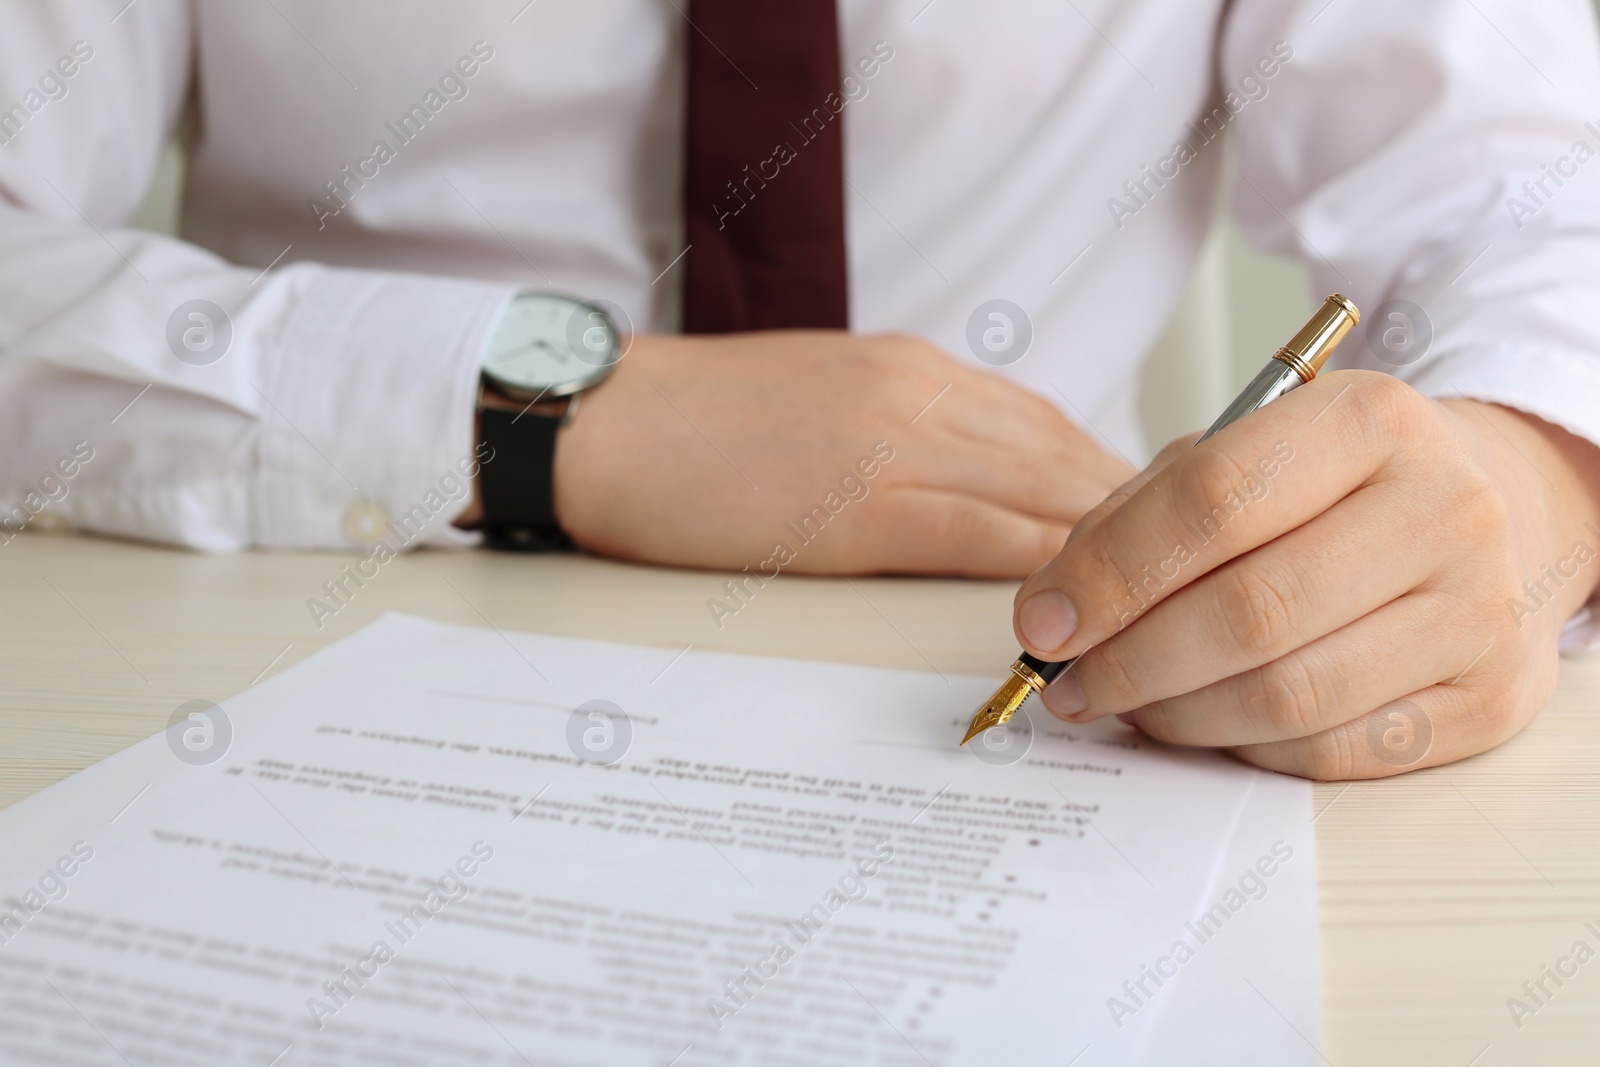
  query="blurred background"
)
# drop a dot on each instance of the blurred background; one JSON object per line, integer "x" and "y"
{"x": 1241, "y": 305}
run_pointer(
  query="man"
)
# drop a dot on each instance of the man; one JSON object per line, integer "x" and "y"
{"x": 785, "y": 222}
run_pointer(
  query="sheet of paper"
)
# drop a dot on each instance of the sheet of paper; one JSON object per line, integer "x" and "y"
{"x": 395, "y": 854}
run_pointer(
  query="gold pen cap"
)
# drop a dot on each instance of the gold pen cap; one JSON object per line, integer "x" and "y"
{"x": 1309, "y": 349}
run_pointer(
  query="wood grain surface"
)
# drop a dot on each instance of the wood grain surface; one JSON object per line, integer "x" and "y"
{"x": 1441, "y": 891}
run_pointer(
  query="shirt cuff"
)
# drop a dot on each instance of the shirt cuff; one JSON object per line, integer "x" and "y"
{"x": 1560, "y": 386}
{"x": 367, "y": 428}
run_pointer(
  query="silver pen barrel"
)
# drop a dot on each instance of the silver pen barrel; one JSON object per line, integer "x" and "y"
{"x": 1296, "y": 362}
{"x": 1270, "y": 382}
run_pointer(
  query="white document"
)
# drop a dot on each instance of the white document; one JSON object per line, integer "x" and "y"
{"x": 395, "y": 856}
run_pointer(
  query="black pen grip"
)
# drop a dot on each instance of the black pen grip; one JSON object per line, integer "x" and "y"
{"x": 1044, "y": 668}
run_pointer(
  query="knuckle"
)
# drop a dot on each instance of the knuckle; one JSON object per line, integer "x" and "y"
{"x": 1178, "y": 446}
{"x": 959, "y": 524}
{"x": 1033, "y": 551}
{"x": 881, "y": 363}
{"x": 1479, "y": 503}
{"x": 1286, "y": 696}
{"x": 1110, "y": 678}
{"x": 1209, "y": 486}
{"x": 889, "y": 384}
{"x": 907, "y": 349}
{"x": 1051, "y": 540}
{"x": 1498, "y": 710}
{"x": 1386, "y": 409}
{"x": 1163, "y": 723}
{"x": 1093, "y": 517}
{"x": 1094, "y": 566}
{"x": 974, "y": 540}
{"x": 1254, "y": 609}
{"x": 1493, "y": 717}
{"x": 1331, "y": 755}
{"x": 1380, "y": 388}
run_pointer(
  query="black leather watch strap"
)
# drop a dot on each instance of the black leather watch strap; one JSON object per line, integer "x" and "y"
{"x": 517, "y": 484}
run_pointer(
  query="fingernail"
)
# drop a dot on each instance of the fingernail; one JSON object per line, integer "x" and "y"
{"x": 1064, "y": 696}
{"x": 1047, "y": 620}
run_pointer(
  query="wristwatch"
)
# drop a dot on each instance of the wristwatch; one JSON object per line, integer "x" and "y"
{"x": 544, "y": 352}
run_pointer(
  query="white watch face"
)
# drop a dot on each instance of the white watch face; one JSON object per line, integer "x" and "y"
{"x": 550, "y": 344}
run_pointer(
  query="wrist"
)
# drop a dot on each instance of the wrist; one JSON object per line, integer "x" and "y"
{"x": 547, "y": 347}
{"x": 471, "y": 517}
{"x": 634, "y": 414}
{"x": 1551, "y": 480}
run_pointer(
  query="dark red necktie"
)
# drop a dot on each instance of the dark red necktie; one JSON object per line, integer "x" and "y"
{"x": 764, "y": 168}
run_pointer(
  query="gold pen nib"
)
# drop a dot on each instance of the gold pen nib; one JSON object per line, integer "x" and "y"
{"x": 1000, "y": 707}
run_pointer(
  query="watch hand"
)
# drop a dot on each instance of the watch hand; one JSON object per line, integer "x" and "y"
{"x": 518, "y": 349}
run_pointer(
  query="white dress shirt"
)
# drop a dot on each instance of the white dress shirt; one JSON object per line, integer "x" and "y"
{"x": 1027, "y": 151}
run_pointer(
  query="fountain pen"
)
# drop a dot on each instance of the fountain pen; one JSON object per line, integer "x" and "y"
{"x": 1292, "y": 365}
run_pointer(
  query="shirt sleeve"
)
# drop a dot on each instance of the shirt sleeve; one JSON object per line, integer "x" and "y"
{"x": 1439, "y": 163}
{"x": 151, "y": 390}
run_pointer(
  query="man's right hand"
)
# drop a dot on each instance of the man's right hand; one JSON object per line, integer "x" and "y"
{"x": 699, "y": 450}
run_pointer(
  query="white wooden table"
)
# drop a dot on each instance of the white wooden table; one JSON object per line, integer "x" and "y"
{"x": 1441, "y": 891}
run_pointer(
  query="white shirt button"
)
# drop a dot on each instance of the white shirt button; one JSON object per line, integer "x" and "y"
{"x": 364, "y": 522}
